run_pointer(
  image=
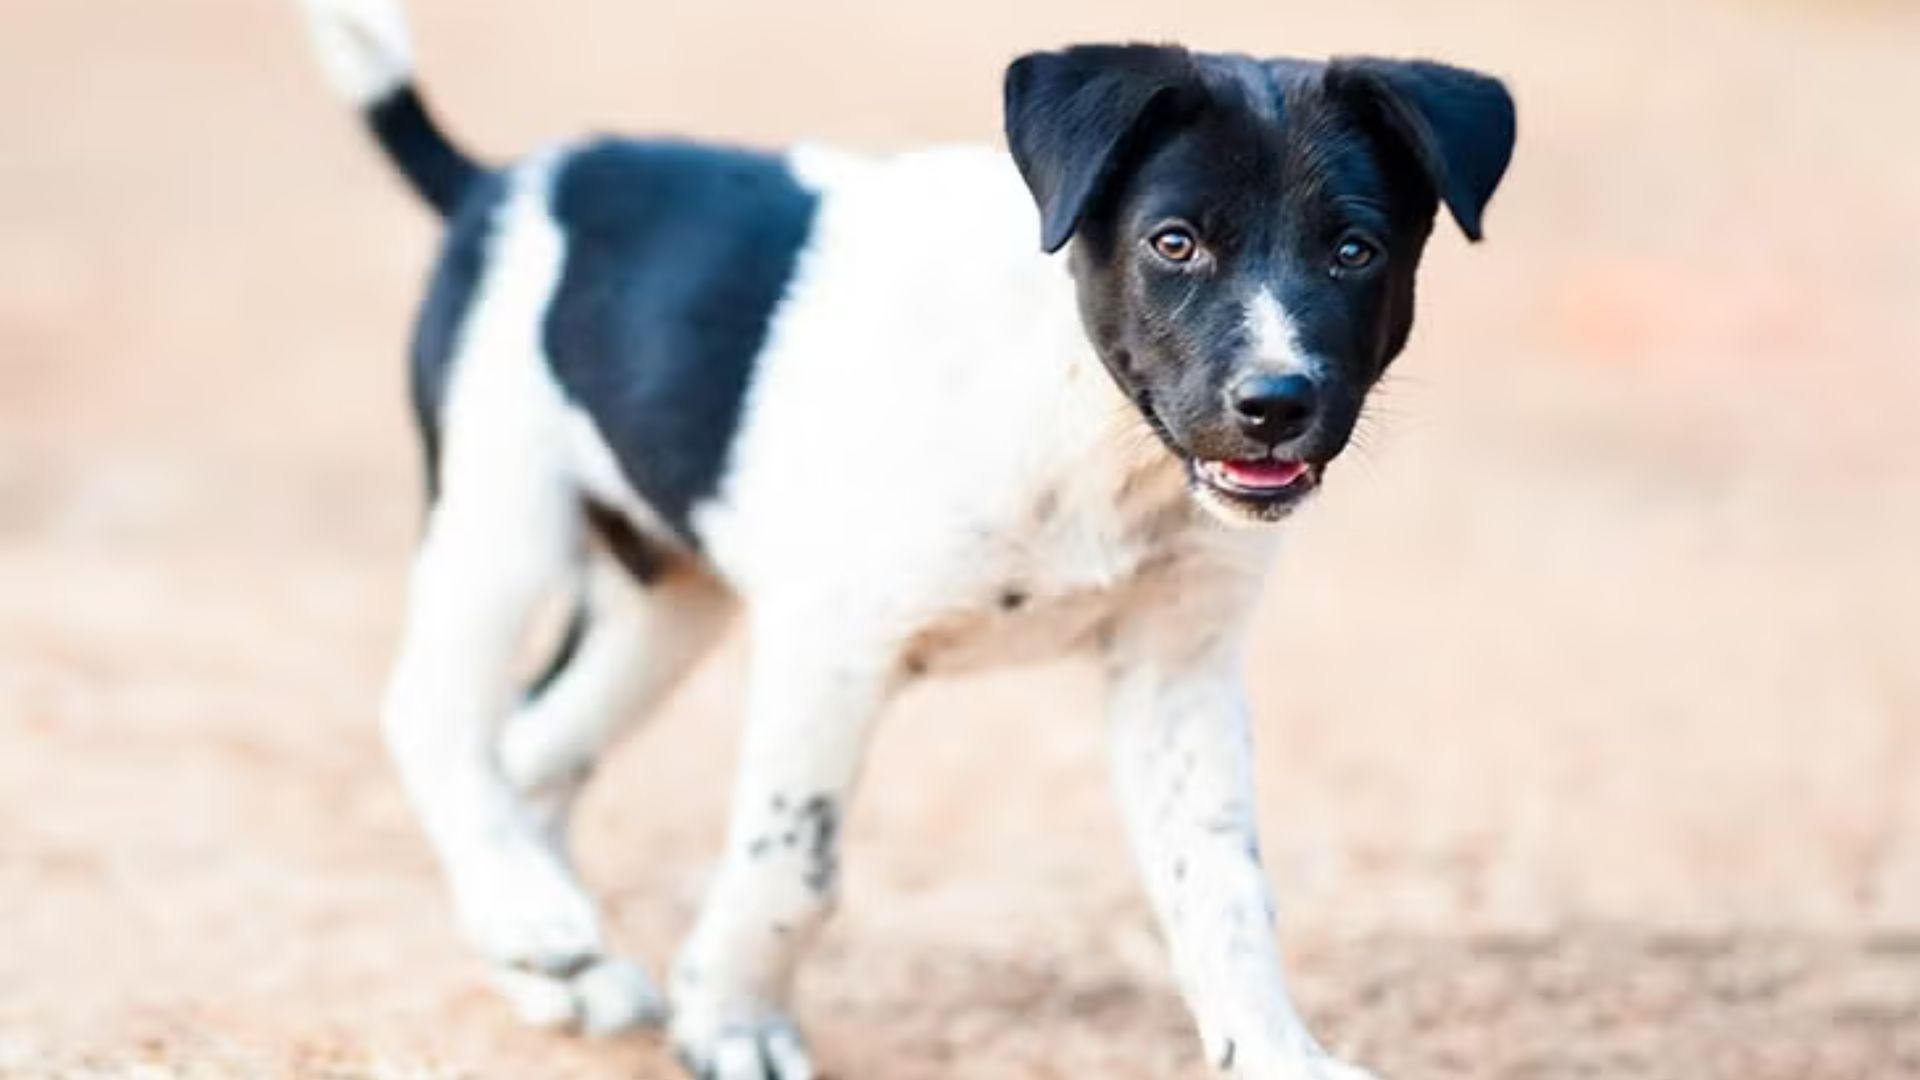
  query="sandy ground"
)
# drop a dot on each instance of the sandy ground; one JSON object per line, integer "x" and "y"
{"x": 1590, "y": 705}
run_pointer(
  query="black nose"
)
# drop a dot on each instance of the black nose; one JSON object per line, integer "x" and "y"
{"x": 1274, "y": 408}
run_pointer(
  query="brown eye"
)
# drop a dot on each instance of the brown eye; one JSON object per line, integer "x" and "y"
{"x": 1175, "y": 244}
{"x": 1355, "y": 253}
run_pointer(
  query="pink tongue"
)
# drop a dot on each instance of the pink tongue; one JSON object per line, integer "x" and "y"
{"x": 1263, "y": 474}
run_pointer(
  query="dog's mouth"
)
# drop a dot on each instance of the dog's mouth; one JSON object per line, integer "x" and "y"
{"x": 1239, "y": 490}
{"x": 1263, "y": 489}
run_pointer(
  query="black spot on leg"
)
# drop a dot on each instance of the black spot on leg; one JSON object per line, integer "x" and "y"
{"x": 819, "y": 826}
{"x": 1226, "y": 1056}
{"x": 1013, "y": 598}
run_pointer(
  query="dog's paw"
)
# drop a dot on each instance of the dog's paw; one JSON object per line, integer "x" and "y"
{"x": 714, "y": 1046}
{"x": 530, "y": 914}
{"x": 606, "y": 997}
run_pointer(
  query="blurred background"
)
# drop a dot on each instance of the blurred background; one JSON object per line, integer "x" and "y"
{"x": 1589, "y": 693}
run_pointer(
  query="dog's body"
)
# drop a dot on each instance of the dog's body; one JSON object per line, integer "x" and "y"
{"x": 851, "y": 397}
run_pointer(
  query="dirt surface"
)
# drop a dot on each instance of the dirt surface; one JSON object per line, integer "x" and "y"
{"x": 1590, "y": 692}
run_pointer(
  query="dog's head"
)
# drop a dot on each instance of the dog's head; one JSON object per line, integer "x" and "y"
{"x": 1246, "y": 234}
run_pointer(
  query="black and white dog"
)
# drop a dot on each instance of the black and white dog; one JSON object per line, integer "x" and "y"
{"x": 855, "y": 398}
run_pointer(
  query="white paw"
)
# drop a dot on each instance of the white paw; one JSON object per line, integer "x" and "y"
{"x": 607, "y": 997}
{"x": 530, "y": 913}
{"x": 717, "y": 1043}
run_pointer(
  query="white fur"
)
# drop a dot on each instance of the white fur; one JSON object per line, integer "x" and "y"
{"x": 932, "y": 471}
{"x": 1273, "y": 337}
{"x": 363, "y": 46}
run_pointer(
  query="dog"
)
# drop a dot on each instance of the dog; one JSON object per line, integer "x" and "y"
{"x": 860, "y": 401}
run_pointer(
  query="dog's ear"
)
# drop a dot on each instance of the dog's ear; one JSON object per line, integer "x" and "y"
{"x": 1458, "y": 124}
{"x": 1072, "y": 116}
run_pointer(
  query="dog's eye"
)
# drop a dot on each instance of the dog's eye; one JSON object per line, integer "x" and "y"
{"x": 1354, "y": 253}
{"x": 1175, "y": 243}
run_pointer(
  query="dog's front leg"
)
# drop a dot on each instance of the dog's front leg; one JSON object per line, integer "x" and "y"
{"x": 814, "y": 695}
{"x": 1183, "y": 765}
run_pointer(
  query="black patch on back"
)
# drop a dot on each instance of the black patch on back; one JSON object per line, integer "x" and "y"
{"x": 677, "y": 256}
{"x": 436, "y": 334}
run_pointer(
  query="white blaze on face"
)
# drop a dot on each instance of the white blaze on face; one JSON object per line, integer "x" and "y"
{"x": 1273, "y": 339}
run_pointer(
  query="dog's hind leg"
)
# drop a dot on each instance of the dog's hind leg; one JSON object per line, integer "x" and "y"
{"x": 504, "y": 535}
{"x": 630, "y": 644}
{"x": 492, "y": 554}
{"x": 634, "y": 640}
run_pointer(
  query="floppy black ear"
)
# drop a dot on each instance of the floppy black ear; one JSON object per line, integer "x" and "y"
{"x": 1070, "y": 117}
{"x": 1458, "y": 124}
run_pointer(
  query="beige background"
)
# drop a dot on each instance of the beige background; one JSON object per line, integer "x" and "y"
{"x": 1590, "y": 692}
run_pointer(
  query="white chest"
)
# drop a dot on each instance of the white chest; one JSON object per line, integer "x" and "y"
{"x": 1054, "y": 580}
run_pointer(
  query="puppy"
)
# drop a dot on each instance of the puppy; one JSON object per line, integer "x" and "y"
{"x": 861, "y": 401}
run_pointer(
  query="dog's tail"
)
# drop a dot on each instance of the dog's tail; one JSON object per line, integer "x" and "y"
{"x": 367, "y": 54}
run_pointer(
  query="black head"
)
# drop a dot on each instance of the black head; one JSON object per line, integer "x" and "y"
{"x": 1246, "y": 234}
